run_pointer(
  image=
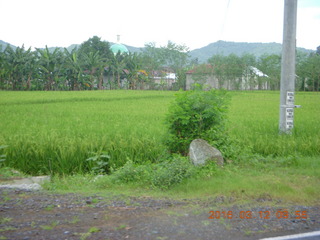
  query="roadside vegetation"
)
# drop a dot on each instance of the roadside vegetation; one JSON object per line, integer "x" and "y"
{"x": 116, "y": 141}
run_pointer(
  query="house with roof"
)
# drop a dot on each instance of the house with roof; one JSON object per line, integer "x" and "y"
{"x": 251, "y": 79}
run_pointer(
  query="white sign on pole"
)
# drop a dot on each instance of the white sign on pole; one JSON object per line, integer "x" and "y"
{"x": 290, "y": 98}
{"x": 289, "y": 124}
{"x": 289, "y": 113}
{"x": 289, "y": 110}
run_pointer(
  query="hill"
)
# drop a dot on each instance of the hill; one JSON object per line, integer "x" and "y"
{"x": 204, "y": 53}
{"x": 4, "y": 44}
{"x": 238, "y": 48}
{"x": 130, "y": 48}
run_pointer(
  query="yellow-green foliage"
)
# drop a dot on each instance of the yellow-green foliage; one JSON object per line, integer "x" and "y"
{"x": 254, "y": 119}
{"x": 57, "y": 131}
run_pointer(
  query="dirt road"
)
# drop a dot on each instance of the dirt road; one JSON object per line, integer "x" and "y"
{"x": 34, "y": 214}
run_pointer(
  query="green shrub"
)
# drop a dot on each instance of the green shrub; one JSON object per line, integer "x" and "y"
{"x": 131, "y": 172}
{"x": 195, "y": 114}
{"x": 162, "y": 175}
{"x": 171, "y": 172}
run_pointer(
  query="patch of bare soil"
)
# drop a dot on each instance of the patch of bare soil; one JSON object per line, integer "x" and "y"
{"x": 30, "y": 214}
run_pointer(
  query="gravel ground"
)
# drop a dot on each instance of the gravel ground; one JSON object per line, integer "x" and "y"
{"x": 35, "y": 214}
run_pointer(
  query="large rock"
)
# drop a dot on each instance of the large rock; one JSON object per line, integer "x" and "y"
{"x": 200, "y": 151}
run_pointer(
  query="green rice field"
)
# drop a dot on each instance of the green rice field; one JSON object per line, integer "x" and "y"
{"x": 55, "y": 132}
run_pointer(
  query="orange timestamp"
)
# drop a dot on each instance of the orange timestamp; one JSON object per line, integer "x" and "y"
{"x": 280, "y": 214}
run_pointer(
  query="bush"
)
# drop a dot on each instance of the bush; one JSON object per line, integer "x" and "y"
{"x": 131, "y": 172}
{"x": 161, "y": 175}
{"x": 172, "y": 172}
{"x": 195, "y": 114}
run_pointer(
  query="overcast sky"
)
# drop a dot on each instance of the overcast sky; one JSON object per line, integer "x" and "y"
{"x": 37, "y": 23}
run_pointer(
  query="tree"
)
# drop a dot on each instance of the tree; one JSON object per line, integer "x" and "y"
{"x": 234, "y": 69}
{"x": 271, "y": 66}
{"x": 309, "y": 72}
{"x": 152, "y": 59}
{"x": 94, "y": 64}
{"x": 95, "y": 45}
{"x": 73, "y": 71}
{"x": 49, "y": 64}
{"x": 174, "y": 56}
{"x": 251, "y": 79}
{"x": 134, "y": 73}
{"x": 96, "y": 55}
{"x": 218, "y": 63}
{"x": 171, "y": 57}
{"x": 20, "y": 66}
{"x": 117, "y": 65}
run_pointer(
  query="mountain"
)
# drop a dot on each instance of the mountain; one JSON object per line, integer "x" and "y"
{"x": 4, "y": 44}
{"x": 204, "y": 53}
{"x": 238, "y": 48}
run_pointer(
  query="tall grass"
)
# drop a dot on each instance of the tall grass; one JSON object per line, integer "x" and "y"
{"x": 254, "y": 119}
{"x": 57, "y": 131}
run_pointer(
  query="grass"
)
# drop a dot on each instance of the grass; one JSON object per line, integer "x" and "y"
{"x": 254, "y": 118}
{"x": 56, "y": 132}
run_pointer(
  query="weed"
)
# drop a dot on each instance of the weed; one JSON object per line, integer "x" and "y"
{"x": 51, "y": 226}
{"x": 205, "y": 222}
{"x": 171, "y": 172}
{"x": 7, "y": 173}
{"x": 49, "y": 207}
{"x": 84, "y": 236}
{"x": 7, "y": 229}
{"x": 94, "y": 229}
{"x": 247, "y": 232}
{"x": 122, "y": 226}
{"x": 33, "y": 224}
{"x": 5, "y": 220}
{"x": 74, "y": 220}
{"x": 99, "y": 163}
{"x": 225, "y": 224}
{"x": 2, "y": 156}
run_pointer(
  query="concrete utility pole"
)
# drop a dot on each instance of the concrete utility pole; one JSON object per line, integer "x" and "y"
{"x": 288, "y": 65}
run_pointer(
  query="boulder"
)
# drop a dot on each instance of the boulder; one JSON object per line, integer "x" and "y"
{"x": 200, "y": 151}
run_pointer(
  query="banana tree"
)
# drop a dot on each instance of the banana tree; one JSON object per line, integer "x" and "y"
{"x": 73, "y": 69}
{"x": 94, "y": 63}
{"x": 133, "y": 67}
{"x": 20, "y": 66}
{"x": 49, "y": 66}
{"x": 117, "y": 65}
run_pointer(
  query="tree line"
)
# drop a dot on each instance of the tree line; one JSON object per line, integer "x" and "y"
{"x": 262, "y": 71}
{"x": 90, "y": 66}
{"x": 93, "y": 65}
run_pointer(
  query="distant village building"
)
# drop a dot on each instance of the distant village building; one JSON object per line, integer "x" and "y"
{"x": 164, "y": 79}
{"x": 251, "y": 79}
